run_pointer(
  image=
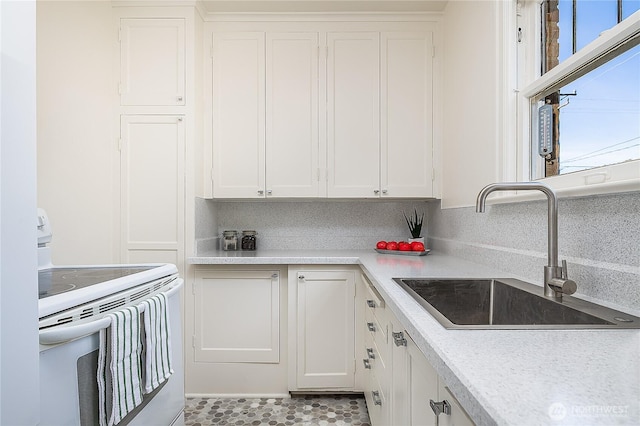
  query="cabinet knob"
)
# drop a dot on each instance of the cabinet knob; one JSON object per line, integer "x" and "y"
{"x": 274, "y": 276}
{"x": 260, "y": 192}
{"x": 371, "y": 303}
{"x": 180, "y": 98}
{"x": 384, "y": 191}
{"x": 269, "y": 192}
{"x": 366, "y": 363}
{"x": 301, "y": 277}
{"x": 376, "y": 397}
{"x": 371, "y": 326}
{"x": 370, "y": 353}
{"x": 442, "y": 407}
{"x": 376, "y": 191}
{"x": 398, "y": 338}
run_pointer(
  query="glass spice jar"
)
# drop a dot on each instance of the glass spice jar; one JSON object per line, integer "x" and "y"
{"x": 230, "y": 240}
{"x": 248, "y": 240}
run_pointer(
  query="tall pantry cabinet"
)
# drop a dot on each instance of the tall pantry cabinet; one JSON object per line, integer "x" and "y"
{"x": 155, "y": 113}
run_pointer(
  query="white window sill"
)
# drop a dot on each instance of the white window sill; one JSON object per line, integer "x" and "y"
{"x": 618, "y": 178}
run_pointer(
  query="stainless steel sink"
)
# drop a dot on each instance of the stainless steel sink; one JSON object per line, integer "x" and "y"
{"x": 508, "y": 304}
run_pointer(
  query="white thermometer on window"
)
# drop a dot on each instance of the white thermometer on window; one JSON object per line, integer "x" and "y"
{"x": 545, "y": 130}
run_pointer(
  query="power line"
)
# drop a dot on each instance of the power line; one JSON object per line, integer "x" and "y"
{"x": 599, "y": 154}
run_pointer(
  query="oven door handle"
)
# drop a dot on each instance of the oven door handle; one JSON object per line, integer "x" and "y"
{"x": 62, "y": 334}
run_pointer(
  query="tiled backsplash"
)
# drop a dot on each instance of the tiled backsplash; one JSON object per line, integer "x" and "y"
{"x": 290, "y": 225}
{"x": 598, "y": 236}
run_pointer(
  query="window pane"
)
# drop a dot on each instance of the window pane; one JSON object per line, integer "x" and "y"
{"x": 600, "y": 125}
{"x": 629, "y": 7}
{"x": 592, "y": 18}
{"x": 565, "y": 25}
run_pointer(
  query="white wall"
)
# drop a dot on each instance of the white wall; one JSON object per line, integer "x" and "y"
{"x": 471, "y": 104}
{"x": 76, "y": 138}
{"x": 19, "y": 396}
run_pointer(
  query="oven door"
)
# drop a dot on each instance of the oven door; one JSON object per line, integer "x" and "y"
{"x": 69, "y": 389}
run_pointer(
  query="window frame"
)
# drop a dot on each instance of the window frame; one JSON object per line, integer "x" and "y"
{"x": 622, "y": 177}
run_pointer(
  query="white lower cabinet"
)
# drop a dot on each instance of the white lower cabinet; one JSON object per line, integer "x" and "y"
{"x": 321, "y": 329}
{"x": 237, "y": 316}
{"x": 260, "y": 330}
{"x": 457, "y": 416}
{"x": 401, "y": 386}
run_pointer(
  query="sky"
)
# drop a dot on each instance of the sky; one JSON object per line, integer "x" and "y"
{"x": 601, "y": 124}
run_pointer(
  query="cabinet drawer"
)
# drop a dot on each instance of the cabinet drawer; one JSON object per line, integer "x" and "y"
{"x": 376, "y": 325}
{"x": 377, "y": 403}
{"x": 373, "y": 359}
{"x": 372, "y": 297}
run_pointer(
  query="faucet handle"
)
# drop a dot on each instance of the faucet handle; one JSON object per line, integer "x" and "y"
{"x": 563, "y": 285}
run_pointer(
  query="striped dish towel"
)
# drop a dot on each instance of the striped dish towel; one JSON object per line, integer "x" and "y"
{"x": 119, "y": 378}
{"x": 157, "y": 329}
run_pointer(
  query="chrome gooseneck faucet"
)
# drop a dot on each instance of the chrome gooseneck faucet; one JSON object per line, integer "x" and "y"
{"x": 556, "y": 282}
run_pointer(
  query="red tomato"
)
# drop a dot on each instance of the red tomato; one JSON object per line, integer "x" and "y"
{"x": 392, "y": 245}
{"x": 417, "y": 246}
{"x": 404, "y": 246}
{"x": 381, "y": 245}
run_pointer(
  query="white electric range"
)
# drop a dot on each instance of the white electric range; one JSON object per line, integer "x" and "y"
{"x": 73, "y": 302}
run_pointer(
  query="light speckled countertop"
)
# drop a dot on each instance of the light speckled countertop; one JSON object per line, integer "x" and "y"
{"x": 519, "y": 377}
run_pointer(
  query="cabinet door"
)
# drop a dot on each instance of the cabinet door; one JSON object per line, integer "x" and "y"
{"x": 292, "y": 151}
{"x": 325, "y": 329}
{"x": 406, "y": 114}
{"x": 353, "y": 115}
{"x": 238, "y": 115}
{"x": 152, "y": 188}
{"x": 457, "y": 417}
{"x": 237, "y": 316}
{"x": 423, "y": 386}
{"x": 152, "y": 61}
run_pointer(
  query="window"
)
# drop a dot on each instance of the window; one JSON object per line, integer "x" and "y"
{"x": 589, "y": 85}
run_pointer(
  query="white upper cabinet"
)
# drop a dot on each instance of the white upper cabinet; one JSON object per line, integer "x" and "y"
{"x": 326, "y": 113}
{"x": 238, "y": 115}
{"x": 292, "y": 150}
{"x": 406, "y": 120}
{"x": 353, "y": 112}
{"x": 265, "y": 115}
{"x": 152, "y": 59}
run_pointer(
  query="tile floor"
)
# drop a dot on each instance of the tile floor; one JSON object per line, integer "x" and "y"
{"x": 300, "y": 410}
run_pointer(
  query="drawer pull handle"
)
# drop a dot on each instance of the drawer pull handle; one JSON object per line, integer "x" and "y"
{"x": 371, "y": 303}
{"x": 370, "y": 353}
{"x": 366, "y": 363}
{"x": 375, "y": 395}
{"x": 371, "y": 326}
{"x": 440, "y": 407}
{"x": 398, "y": 339}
